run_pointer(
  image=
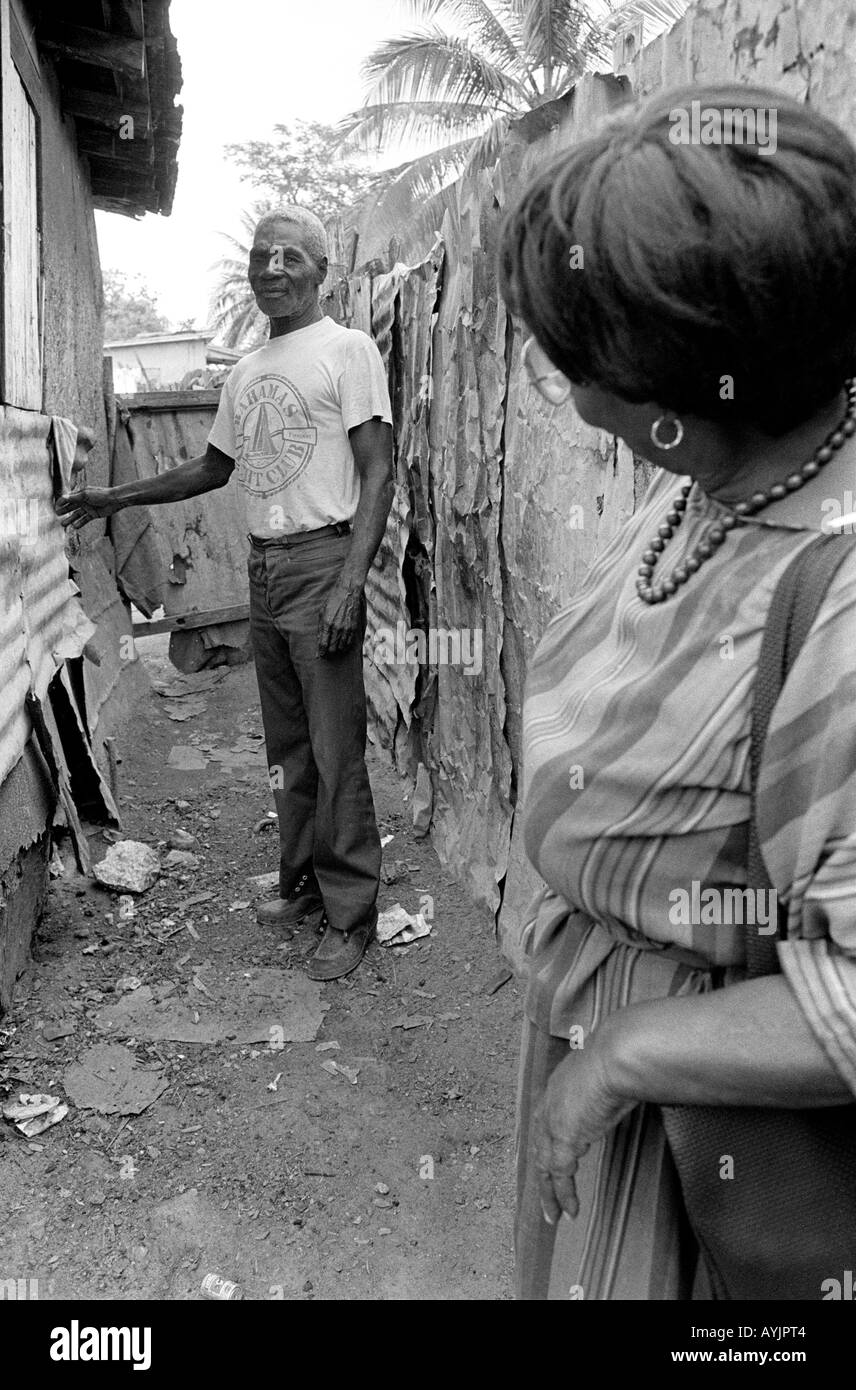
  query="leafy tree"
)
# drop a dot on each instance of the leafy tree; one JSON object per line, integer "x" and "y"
{"x": 235, "y": 317}
{"x": 303, "y": 164}
{"x": 452, "y": 87}
{"x": 130, "y": 307}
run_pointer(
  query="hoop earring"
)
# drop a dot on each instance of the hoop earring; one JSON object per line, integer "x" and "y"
{"x": 655, "y": 433}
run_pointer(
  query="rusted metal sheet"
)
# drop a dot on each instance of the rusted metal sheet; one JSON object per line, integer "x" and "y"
{"x": 436, "y": 690}
{"x": 470, "y": 762}
{"x": 41, "y": 620}
{"x": 398, "y": 586}
{"x": 190, "y": 556}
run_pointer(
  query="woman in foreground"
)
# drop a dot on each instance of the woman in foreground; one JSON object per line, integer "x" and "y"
{"x": 699, "y": 301}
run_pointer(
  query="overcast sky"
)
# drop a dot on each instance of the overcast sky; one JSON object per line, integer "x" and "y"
{"x": 247, "y": 65}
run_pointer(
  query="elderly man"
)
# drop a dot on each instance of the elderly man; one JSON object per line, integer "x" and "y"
{"x": 305, "y": 424}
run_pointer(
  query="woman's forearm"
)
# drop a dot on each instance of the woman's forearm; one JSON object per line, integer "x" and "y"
{"x": 747, "y": 1044}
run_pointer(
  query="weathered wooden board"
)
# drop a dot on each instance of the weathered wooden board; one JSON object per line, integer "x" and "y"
{"x": 22, "y": 385}
{"x": 236, "y": 612}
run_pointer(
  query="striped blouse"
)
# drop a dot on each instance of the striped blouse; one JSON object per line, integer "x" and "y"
{"x": 636, "y": 794}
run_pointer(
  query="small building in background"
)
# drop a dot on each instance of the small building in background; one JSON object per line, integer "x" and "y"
{"x": 165, "y": 361}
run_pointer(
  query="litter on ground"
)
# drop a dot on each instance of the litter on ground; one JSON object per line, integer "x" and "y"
{"x": 34, "y": 1113}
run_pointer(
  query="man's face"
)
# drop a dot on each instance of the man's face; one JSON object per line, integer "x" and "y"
{"x": 283, "y": 276}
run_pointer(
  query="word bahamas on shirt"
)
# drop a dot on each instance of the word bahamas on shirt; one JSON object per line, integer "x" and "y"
{"x": 284, "y": 415}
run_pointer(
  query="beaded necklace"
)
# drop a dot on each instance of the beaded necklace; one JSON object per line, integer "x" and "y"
{"x": 651, "y": 593}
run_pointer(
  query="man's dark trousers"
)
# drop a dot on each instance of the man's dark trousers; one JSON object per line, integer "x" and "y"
{"x": 314, "y": 716}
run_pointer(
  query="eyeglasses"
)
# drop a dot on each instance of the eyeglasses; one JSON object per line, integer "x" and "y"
{"x": 548, "y": 381}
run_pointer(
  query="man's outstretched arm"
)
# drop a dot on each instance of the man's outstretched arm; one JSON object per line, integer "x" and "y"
{"x": 211, "y": 470}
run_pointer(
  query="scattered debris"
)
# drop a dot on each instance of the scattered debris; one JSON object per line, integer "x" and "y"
{"x": 239, "y": 905}
{"x": 128, "y": 866}
{"x": 327, "y": 1047}
{"x": 56, "y": 867}
{"x": 185, "y": 758}
{"x": 180, "y": 686}
{"x": 267, "y": 821}
{"x": 193, "y": 901}
{"x": 34, "y": 1113}
{"x": 396, "y": 926}
{"x": 263, "y": 883}
{"x": 386, "y": 840}
{"x": 126, "y": 984}
{"x": 498, "y": 980}
{"x": 382, "y": 1188}
{"x": 181, "y": 859}
{"x": 274, "y": 1085}
{"x": 265, "y": 1004}
{"x": 423, "y": 801}
{"x": 215, "y": 1286}
{"x": 415, "y": 1021}
{"x": 339, "y": 1069}
{"x": 187, "y": 708}
{"x": 181, "y": 839}
{"x": 108, "y": 1079}
{"x": 61, "y": 1029}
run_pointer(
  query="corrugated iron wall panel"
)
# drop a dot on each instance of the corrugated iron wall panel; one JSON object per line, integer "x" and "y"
{"x": 41, "y": 620}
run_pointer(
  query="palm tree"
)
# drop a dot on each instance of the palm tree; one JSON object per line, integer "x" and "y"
{"x": 236, "y": 318}
{"x": 453, "y": 90}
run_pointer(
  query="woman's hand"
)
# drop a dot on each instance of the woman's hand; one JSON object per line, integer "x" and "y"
{"x": 76, "y": 509}
{"x": 579, "y": 1106}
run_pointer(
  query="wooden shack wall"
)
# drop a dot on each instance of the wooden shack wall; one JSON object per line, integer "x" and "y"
{"x": 72, "y": 387}
{"x": 511, "y": 502}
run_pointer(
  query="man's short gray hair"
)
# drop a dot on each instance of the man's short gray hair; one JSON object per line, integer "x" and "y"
{"x": 314, "y": 233}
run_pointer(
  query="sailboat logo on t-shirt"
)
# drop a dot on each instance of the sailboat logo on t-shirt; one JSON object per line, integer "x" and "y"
{"x": 274, "y": 434}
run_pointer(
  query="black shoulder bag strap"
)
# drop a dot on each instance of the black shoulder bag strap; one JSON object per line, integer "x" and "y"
{"x": 789, "y": 1216}
{"x": 793, "y": 609}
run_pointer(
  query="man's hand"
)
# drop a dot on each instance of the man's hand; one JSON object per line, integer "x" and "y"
{"x": 341, "y": 618}
{"x": 577, "y": 1109}
{"x": 77, "y": 509}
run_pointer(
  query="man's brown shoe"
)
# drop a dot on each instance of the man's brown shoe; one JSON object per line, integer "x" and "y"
{"x": 340, "y": 952}
{"x": 303, "y": 901}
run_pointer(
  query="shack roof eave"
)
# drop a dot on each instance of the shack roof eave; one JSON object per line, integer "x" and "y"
{"x": 119, "y": 72}
{"x": 182, "y": 335}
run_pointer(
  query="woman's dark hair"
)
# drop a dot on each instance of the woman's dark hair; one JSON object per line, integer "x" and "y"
{"x": 700, "y": 262}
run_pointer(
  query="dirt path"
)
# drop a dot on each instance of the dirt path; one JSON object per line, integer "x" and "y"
{"x": 396, "y": 1187}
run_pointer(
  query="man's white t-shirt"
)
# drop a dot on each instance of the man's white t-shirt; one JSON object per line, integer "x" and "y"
{"x": 284, "y": 415}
